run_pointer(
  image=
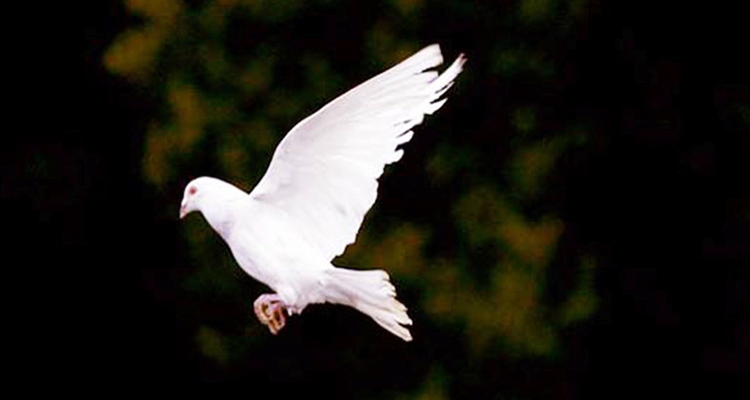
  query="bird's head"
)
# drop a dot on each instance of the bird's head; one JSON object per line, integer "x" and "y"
{"x": 191, "y": 198}
{"x": 206, "y": 194}
{"x": 199, "y": 192}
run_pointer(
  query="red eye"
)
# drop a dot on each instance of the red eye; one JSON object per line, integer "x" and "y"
{"x": 192, "y": 190}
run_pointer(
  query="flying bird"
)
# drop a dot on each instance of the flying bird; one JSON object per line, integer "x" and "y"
{"x": 322, "y": 180}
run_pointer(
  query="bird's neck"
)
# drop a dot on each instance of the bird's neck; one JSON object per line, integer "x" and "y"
{"x": 221, "y": 211}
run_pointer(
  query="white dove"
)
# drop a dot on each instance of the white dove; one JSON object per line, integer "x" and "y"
{"x": 322, "y": 180}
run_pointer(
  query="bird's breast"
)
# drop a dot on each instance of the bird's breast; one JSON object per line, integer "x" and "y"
{"x": 268, "y": 248}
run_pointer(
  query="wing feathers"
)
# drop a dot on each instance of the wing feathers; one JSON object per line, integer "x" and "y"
{"x": 324, "y": 172}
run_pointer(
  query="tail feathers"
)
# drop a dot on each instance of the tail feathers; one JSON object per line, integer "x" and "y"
{"x": 372, "y": 293}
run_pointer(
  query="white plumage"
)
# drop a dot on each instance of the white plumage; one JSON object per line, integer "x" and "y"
{"x": 321, "y": 182}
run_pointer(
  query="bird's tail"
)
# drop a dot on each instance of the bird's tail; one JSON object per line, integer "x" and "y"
{"x": 372, "y": 293}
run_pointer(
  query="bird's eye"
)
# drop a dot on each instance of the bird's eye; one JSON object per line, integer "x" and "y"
{"x": 192, "y": 190}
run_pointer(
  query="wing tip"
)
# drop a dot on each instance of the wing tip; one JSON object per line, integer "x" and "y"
{"x": 458, "y": 64}
{"x": 435, "y": 48}
{"x": 430, "y": 56}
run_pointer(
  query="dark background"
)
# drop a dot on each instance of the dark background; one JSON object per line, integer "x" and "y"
{"x": 659, "y": 196}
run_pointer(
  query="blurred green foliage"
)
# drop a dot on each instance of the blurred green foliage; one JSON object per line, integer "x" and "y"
{"x": 229, "y": 81}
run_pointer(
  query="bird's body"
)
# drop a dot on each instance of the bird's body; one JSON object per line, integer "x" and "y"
{"x": 321, "y": 182}
{"x": 261, "y": 247}
{"x": 272, "y": 251}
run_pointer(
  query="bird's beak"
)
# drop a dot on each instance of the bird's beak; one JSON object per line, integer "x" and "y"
{"x": 183, "y": 211}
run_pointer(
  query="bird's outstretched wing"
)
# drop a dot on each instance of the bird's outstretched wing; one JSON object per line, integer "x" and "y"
{"x": 324, "y": 172}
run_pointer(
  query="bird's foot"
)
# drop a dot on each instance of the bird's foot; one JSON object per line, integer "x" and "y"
{"x": 270, "y": 311}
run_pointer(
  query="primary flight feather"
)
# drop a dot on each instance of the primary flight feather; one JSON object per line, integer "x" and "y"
{"x": 321, "y": 182}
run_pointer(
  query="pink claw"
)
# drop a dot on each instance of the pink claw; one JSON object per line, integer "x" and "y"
{"x": 270, "y": 311}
